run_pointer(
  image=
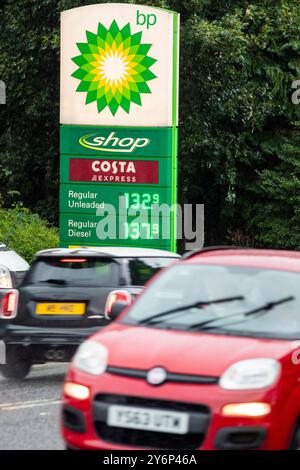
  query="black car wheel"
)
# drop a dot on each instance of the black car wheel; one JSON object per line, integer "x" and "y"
{"x": 18, "y": 363}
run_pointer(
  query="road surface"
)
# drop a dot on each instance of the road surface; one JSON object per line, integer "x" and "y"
{"x": 29, "y": 411}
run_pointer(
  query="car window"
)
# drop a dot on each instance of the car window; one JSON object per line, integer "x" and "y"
{"x": 75, "y": 272}
{"x": 242, "y": 289}
{"x": 143, "y": 269}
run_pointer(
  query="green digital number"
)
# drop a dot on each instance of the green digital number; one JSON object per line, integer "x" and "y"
{"x": 137, "y": 201}
{"x": 136, "y": 231}
{"x": 146, "y": 198}
{"x": 155, "y": 230}
{"x": 156, "y": 199}
{"x": 126, "y": 196}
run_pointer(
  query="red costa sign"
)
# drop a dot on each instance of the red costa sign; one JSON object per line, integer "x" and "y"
{"x": 114, "y": 171}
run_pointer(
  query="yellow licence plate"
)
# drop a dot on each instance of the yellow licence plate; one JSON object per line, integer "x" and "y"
{"x": 60, "y": 309}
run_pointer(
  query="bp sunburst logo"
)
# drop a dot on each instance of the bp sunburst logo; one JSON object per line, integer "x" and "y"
{"x": 114, "y": 68}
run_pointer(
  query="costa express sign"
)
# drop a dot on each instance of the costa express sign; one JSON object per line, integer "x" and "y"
{"x": 114, "y": 171}
{"x": 102, "y": 171}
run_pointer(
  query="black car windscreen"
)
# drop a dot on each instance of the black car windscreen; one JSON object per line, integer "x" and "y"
{"x": 90, "y": 272}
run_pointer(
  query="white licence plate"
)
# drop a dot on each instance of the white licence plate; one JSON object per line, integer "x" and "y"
{"x": 147, "y": 419}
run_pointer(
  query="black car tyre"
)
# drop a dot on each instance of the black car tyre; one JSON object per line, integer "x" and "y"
{"x": 18, "y": 363}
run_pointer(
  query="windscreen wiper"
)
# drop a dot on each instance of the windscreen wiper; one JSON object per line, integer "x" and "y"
{"x": 59, "y": 282}
{"x": 199, "y": 304}
{"x": 211, "y": 324}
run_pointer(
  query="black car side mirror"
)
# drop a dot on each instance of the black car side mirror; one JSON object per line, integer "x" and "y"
{"x": 116, "y": 310}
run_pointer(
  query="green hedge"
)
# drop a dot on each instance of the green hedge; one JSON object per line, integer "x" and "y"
{"x": 25, "y": 232}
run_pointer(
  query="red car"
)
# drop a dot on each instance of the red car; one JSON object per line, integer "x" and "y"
{"x": 206, "y": 358}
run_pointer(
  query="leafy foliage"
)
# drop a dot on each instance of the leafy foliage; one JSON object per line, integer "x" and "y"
{"x": 239, "y": 130}
{"x": 25, "y": 232}
{"x": 279, "y": 224}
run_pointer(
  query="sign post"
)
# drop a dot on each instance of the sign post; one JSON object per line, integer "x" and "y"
{"x": 119, "y": 125}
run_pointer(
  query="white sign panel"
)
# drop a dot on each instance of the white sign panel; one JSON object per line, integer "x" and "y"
{"x": 119, "y": 66}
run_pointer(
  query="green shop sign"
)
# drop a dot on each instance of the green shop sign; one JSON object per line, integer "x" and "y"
{"x": 115, "y": 141}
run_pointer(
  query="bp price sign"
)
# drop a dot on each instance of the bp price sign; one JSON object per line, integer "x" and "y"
{"x": 119, "y": 117}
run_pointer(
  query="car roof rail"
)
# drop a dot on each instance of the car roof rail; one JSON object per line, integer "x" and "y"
{"x": 206, "y": 249}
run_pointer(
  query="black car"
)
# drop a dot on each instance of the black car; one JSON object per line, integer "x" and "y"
{"x": 67, "y": 295}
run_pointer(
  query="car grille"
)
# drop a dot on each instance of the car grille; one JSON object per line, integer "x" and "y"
{"x": 170, "y": 377}
{"x": 151, "y": 439}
